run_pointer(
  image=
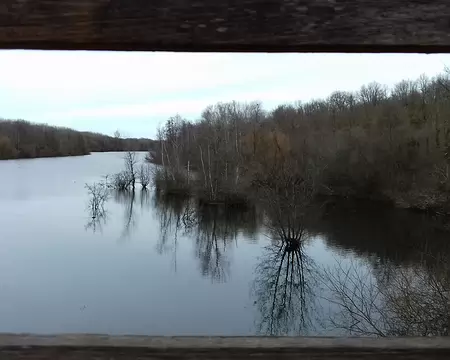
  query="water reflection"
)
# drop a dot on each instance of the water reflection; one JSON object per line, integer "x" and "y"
{"x": 392, "y": 279}
{"x": 398, "y": 282}
{"x": 285, "y": 278}
{"x": 127, "y": 199}
{"x": 386, "y": 234}
{"x": 96, "y": 222}
{"x": 145, "y": 199}
{"x": 216, "y": 232}
{"x": 171, "y": 214}
{"x": 98, "y": 196}
{"x": 398, "y": 301}
{"x": 214, "y": 229}
{"x": 283, "y": 289}
{"x": 214, "y": 236}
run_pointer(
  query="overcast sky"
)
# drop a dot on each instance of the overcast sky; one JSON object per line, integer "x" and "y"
{"x": 136, "y": 92}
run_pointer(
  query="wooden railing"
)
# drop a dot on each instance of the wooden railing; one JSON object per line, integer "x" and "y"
{"x": 227, "y": 25}
{"x": 101, "y": 347}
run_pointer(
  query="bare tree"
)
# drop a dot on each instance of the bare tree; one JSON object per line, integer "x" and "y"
{"x": 98, "y": 195}
{"x": 130, "y": 166}
{"x": 372, "y": 144}
{"x": 121, "y": 181}
{"x": 144, "y": 175}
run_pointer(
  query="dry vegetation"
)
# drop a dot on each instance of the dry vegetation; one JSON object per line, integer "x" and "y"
{"x": 377, "y": 143}
{"x": 389, "y": 301}
{"x": 22, "y": 139}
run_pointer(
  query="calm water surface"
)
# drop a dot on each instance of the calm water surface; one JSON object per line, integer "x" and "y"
{"x": 165, "y": 266}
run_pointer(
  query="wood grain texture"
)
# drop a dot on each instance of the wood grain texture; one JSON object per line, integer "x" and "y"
{"x": 227, "y": 25}
{"x": 104, "y": 347}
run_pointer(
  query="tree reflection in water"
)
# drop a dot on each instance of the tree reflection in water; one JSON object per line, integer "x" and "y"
{"x": 214, "y": 228}
{"x": 127, "y": 198}
{"x": 170, "y": 212}
{"x": 216, "y": 232}
{"x": 213, "y": 238}
{"x": 400, "y": 286}
{"x": 97, "y": 221}
{"x": 145, "y": 200}
{"x": 283, "y": 285}
{"x": 396, "y": 279}
{"x": 390, "y": 301}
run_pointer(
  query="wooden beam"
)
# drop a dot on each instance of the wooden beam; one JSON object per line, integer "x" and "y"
{"x": 227, "y": 25}
{"x": 99, "y": 347}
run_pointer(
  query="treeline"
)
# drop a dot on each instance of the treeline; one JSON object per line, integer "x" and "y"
{"x": 22, "y": 139}
{"x": 379, "y": 143}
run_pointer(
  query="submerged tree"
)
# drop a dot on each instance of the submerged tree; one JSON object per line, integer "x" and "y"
{"x": 144, "y": 175}
{"x": 126, "y": 179}
{"x": 98, "y": 195}
{"x": 131, "y": 167}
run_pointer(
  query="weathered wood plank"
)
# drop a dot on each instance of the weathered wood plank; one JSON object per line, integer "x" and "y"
{"x": 141, "y": 347}
{"x": 227, "y": 25}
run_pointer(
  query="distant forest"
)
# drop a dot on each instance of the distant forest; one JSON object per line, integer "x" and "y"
{"x": 22, "y": 139}
{"x": 378, "y": 142}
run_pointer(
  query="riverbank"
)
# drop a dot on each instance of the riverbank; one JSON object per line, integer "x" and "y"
{"x": 431, "y": 202}
{"x": 21, "y": 139}
{"x": 56, "y": 156}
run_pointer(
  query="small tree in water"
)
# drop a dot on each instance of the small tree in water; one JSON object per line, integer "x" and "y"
{"x": 130, "y": 167}
{"x": 144, "y": 175}
{"x": 98, "y": 195}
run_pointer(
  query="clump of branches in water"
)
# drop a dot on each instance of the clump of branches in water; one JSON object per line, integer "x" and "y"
{"x": 126, "y": 179}
{"x": 121, "y": 181}
{"x": 144, "y": 175}
{"x": 98, "y": 195}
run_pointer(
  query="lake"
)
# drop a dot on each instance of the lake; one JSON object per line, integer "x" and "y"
{"x": 159, "y": 265}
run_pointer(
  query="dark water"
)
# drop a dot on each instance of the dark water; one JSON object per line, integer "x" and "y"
{"x": 167, "y": 266}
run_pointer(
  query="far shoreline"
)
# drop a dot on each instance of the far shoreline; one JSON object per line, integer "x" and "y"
{"x": 70, "y": 156}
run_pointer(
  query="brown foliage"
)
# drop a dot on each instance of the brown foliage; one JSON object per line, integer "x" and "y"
{"x": 375, "y": 143}
{"x": 22, "y": 139}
